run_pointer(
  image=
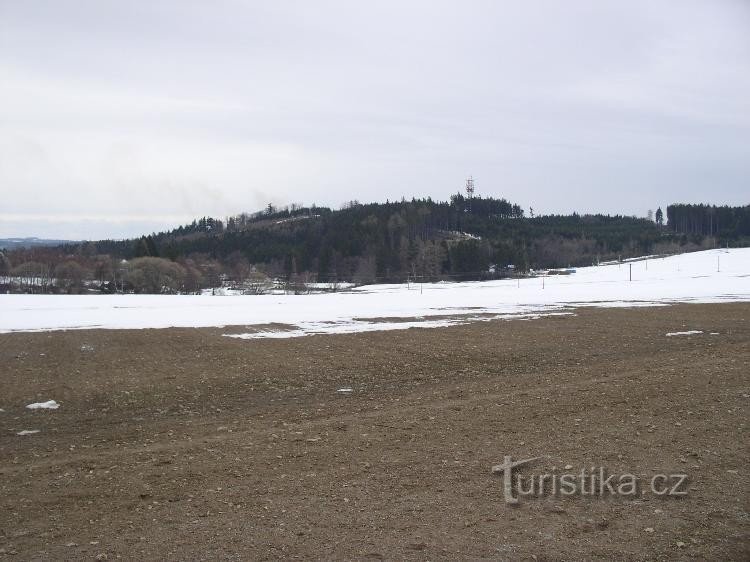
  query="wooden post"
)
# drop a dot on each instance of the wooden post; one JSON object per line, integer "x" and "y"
{"x": 631, "y": 271}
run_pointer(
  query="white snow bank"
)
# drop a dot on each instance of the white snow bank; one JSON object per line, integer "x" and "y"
{"x": 48, "y": 405}
{"x": 684, "y": 278}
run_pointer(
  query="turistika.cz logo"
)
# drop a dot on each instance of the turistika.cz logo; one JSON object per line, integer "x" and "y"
{"x": 593, "y": 482}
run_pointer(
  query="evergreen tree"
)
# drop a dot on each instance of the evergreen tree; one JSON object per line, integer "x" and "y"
{"x": 659, "y": 217}
{"x": 151, "y": 246}
{"x": 140, "y": 249}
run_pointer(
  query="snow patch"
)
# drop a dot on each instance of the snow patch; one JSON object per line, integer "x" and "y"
{"x": 345, "y": 390}
{"x": 354, "y": 326}
{"x": 48, "y": 405}
{"x": 657, "y": 282}
{"x": 28, "y": 432}
{"x": 688, "y": 333}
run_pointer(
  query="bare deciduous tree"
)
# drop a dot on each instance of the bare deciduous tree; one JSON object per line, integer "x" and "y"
{"x": 155, "y": 275}
{"x": 70, "y": 276}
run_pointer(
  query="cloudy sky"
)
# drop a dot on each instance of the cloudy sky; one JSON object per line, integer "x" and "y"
{"x": 123, "y": 117}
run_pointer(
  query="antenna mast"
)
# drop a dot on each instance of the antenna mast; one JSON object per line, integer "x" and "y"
{"x": 469, "y": 187}
{"x": 469, "y": 192}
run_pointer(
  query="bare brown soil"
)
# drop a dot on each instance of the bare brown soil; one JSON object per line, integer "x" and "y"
{"x": 182, "y": 444}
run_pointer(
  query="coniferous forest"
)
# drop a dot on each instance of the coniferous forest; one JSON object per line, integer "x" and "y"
{"x": 461, "y": 239}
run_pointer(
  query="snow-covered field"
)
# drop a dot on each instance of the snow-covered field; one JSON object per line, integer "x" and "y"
{"x": 709, "y": 276}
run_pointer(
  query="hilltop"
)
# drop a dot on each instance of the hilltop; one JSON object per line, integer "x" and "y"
{"x": 461, "y": 239}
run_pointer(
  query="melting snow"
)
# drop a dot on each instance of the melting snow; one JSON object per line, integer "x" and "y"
{"x": 48, "y": 405}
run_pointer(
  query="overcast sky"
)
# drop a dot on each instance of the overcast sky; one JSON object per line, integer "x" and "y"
{"x": 123, "y": 117}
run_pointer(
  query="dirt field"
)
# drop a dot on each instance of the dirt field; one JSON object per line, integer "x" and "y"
{"x": 183, "y": 444}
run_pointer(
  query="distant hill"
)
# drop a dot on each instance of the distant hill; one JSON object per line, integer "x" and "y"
{"x": 31, "y": 242}
{"x": 464, "y": 238}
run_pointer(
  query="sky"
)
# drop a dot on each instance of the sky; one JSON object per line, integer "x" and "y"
{"x": 122, "y": 118}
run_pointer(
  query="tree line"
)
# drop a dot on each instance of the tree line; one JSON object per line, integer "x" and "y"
{"x": 463, "y": 238}
{"x": 726, "y": 223}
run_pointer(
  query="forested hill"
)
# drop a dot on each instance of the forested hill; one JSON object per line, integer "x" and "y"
{"x": 462, "y": 238}
{"x": 475, "y": 238}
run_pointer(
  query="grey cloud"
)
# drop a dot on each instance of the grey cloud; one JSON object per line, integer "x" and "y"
{"x": 155, "y": 109}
